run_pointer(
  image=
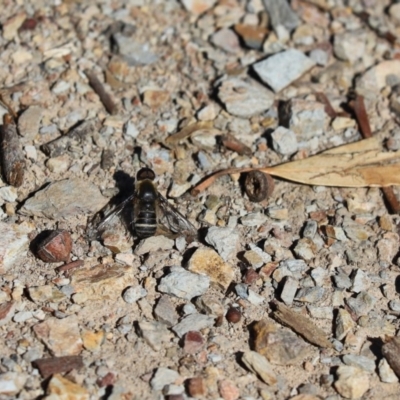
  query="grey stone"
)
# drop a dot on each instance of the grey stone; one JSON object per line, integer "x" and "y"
{"x": 310, "y": 295}
{"x": 224, "y": 240}
{"x": 184, "y": 284}
{"x": 294, "y": 265}
{"x": 362, "y": 304}
{"x": 361, "y": 362}
{"x": 284, "y": 141}
{"x": 8, "y": 194}
{"x": 254, "y": 298}
{"x": 361, "y": 281}
{"x": 319, "y": 276}
{"x": 154, "y": 333}
{"x": 386, "y": 374}
{"x": 64, "y": 199}
{"x": 29, "y": 122}
{"x": 133, "y": 293}
{"x": 11, "y": 383}
{"x": 193, "y": 322}
{"x": 227, "y": 40}
{"x": 244, "y": 99}
{"x": 131, "y": 130}
{"x": 351, "y": 382}
{"x": 165, "y": 311}
{"x": 310, "y": 229}
{"x": 241, "y": 290}
{"x": 305, "y": 249}
{"x": 349, "y": 45}
{"x": 154, "y": 243}
{"x": 280, "y": 13}
{"x": 289, "y": 290}
{"x": 22, "y": 316}
{"x": 342, "y": 281}
{"x": 254, "y": 219}
{"x": 319, "y": 56}
{"x": 209, "y": 304}
{"x": 162, "y": 377}
{"x": 259, "y": 365}
{"x": 321, "y": 312}
{"x": 394, "y": 305}
{"x": 282, "y": 69}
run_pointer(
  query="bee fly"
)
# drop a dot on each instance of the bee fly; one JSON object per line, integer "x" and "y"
{"x": 152, "y": 214}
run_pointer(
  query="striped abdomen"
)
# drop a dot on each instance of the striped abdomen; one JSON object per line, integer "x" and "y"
{"x": 145, "y": 217}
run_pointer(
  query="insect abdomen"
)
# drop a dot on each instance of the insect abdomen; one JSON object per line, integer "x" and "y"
{"x": 146, "y": 222}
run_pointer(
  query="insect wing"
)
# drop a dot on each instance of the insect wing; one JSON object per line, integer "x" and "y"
{"x": 173, "y": 220}
{"x": 96, "y": 227}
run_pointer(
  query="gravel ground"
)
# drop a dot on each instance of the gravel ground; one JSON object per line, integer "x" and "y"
{"x": 292, "y": 297}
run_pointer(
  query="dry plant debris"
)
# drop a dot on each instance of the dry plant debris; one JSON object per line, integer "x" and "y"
{"x": 291, "y": 289}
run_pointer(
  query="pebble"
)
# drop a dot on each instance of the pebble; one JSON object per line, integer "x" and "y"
{"x": 29, "y": 122}
{"x": 206, "y": 261}
{"x": 350, "y": 45}
{"x": 209, "y": 304}
{"x": 154, "y": 333}
{"x": 134, "y": 53}
{"x": 351, "y": 382}
{"x": 92, "y": 341}
{"x": 224, "y": 240}
{"x": 227, "y": 40}
{"x": 357, "y": 232}
{"x": 319, "y": 56}
{"x": 228, "y": 390}
{"x": 61, "y": 388}
{"x": 341, "y": 123}
{"x": 11, "y": 383}
{"x": 342, "y": 281}
{"x": 361, "y": 281}
{"x": 253, "y": 219}
{"x": 208, "y": 113}
{"x": 197, "y": 7}
{"x": 58, "y": 165}
{"x": 259, "y": 366}
{"x": 61, "y": 336}
{"x": 45, "y": 293}
{"x": 31, "y": 152}
{"x": 254, "y": 298}
{"x": 278, "y": 213}
{"x": 386, "y": 374}
{"x": 11, "y": 26}
{"x": 165, "y": 311}
{"x": 133, "y": 293}
{"x": 22, "y": 316}
{"x": 193, "y": 322}
{"x": 7, "y": 312}
{"x": 14, "y": 244}
{"x": 196, "y": 387}
{"x": 335, "y": 232}
{"x": 321, "y": 312}
{"x": 64, "y": 199}
{"x": 193, "y": 342}
{"x": 99, "y": 283}
{"x": 131, "y": 130}
{"x": 310, "y": 294}
{"x": 305, "y": 249}
{"x": 282, "y": 69}
{"x": 184, "y": 284}
{"x": 289, "y": 290}
{"x": 155, "y": 97}
{"x": 361, "y": 362}
{"x": 307, "y": 119}
{"x": 279, "y": 346}
{"x": 362, "y": 304}
{"x": 153, "y": 244}
{"x": 244, "y": 99}
{"x": 8, "y": 194}
{"x": 343, "y": 324}
{"x": 284, "y": 141}
{"x": 280, "y": 13}
{"x": 253, "y": 36}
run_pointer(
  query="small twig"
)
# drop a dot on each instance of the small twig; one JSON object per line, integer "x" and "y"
{"x": 321, "y": 97}
{"x": 365, "y": 129}
{"x": 234, "y": 144}
{"x": 70, "y": 266}
{"x": 98, "y": 87}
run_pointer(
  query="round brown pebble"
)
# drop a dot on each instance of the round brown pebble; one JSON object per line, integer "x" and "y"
{"x": 55, "y": 247}
{"x": 233, "y": 315}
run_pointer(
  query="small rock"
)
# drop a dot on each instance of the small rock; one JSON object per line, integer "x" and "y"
{"x": 206, "y": 261}
{"x": 209, "y": 304}
{"x": 227, "y": 40}
{"x": 228, "y": 390}
{"x": 224, "y": 240}
{"x": 386, "y": 374}
{"x": 253, "y": 219}
{"x": 282, "y": 69}
{"x": 131, "y": 130}
{"x": 208, "y": 113}
{"x": 22, "y": 316}
{"x": 31, "y": 152}
{"x": 11, "y": 26}
{"x": 344, "y": 324}
{"x": 321, "y": 312}
{"x": 197, "y": 7}
{"x": 305, "y": 118}
{"x": 58, "y": 165}
{"x": 341, "y": 123}
{"x": 7, "y": 311}
{"x": 184, "y": 284}
{"x": 253, "y": 36}
{"x": 310, "y": 294}
{"x": 362, "y": 304}
{"x": 133, "y": 293}
{"x": 64, "y": 199}
{"x": 8, "y": 194}
{"x": 281, "y": 13}
{"x": 289, "y": 290}
{"x": 62, "y": 389}
{"x": 193, "y": 342}
{"x": 254, "y": 298}
{"x": 259, "y": 365}
{"x": 361, "y": 362}
{"x": 342, "y": 281}
{"x": 13, "y": 245}
{"x": 385, "y": 222}
{"x": 320, "y": 56}
{"x": 155, "y": 334}
{"x": 278, "y": 213}
{"x": 335, "y": 232}
{"x": 361, "y": 281}
{"x": 350, "y": 45}
{"x": 357, "y": 232}
{"x": 155, "y": 97}
{"x": 29, "y": 122}
{"x": 196, "y": 387}
{"x": 165, "y": 312}
{"x": 352, "y": 382}
{"x": 244, "y": 99}
{"x": 45, "y": 293}
{"x": 61, "y": 336}
{"x": 11, "y": 383}
{"x": 279, "y": 346}
{"x": 193, "y": 322}
{"x": 305, "y": 249}
{"x": 92, "y": 341}
{"x": 284, "y": 141}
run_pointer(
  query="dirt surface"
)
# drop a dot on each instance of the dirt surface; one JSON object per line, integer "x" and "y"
{"x": 192, "y": 69}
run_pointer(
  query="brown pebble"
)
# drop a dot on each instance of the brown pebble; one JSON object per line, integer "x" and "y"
{"x": 228, "y": 390}
{"x": 193, "y": 342}
{"x": 107, "y": 380}
{"x": 196, "y": 387}
{"x": 55, "y": 247}
{"x": 250, "y": 276}
{"x": 233, "y": 315}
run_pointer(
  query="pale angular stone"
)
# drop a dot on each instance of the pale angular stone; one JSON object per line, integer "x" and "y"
{"x": 352, "y": 382}
{"x": 29, "y": 122}
{"x": 226, "y": 39}
{"x": 350, "y": 45}
{"x": 45, "y": 293}
{"x": 162, "y": 377}
{"x": 92, "y": 341}
{"x": 60, "y": 388}
{"x": 11, "y": 383}
{"x": 344, "y": 324}
{"x": 224, "y": 240}
{"x": 193, "y": 322}
{"x": 284, "y": 141}
{"x": 259, "y": 365}
{"x": 154, "y": 243}
{"x": 386, "y": 374}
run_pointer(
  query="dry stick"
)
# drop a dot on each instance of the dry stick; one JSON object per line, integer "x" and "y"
{"x": 75, "y": 136}
{"x": 234, "y": 144}
{"x": 56, "y": 365}
{"x": 98, "y": 87}
{"x": 321, "y": 97}
{"x": 365, "y": 128}
{"x": 71, "y": 265}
